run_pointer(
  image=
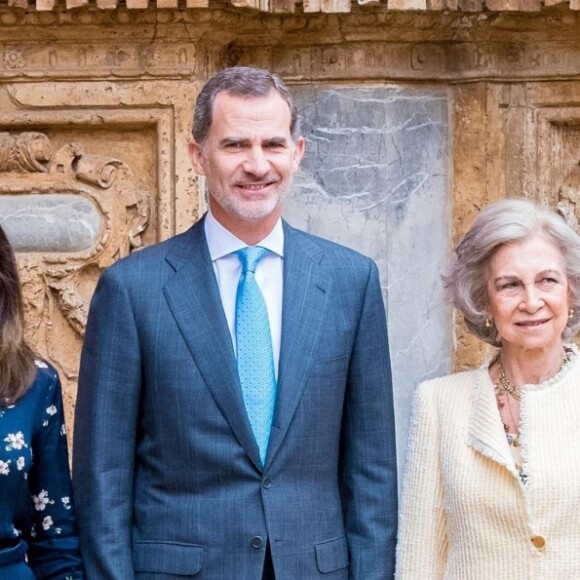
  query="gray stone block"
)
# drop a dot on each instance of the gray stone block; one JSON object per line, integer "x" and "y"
{"x": 375, "y": 177}
{"x": 49, "y": 222}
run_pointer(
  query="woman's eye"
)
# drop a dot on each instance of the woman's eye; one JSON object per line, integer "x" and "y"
{"x": 509, "y": 286}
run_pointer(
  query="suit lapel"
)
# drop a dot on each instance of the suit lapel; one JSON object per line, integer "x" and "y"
{"x": 305, "y": 301}
{"x": 485, "y": 431}
{"x": 193, "y": 297}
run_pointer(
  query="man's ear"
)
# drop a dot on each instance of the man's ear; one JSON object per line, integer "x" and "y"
{"x": 195, "y": 152}
{"x": 299, "y": 146}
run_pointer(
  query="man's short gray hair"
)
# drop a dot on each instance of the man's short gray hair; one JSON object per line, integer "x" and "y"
{"x": 239, "y": 81}
{"x": 504, "y": 222}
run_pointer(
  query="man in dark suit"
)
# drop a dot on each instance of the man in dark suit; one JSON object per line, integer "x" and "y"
{"x": 235, "y": 417}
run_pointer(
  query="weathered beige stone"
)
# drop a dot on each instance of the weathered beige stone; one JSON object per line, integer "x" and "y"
{"x": 337, "y": 6}
{"x": 407, "y": 4}
{"x": 256, "y": 4}
{"x": 71, "y": 4}
{"x": 470, "y": 5}
{"x": 282, "y": 6}
{"x": 311, "y": 6}
{"x": 18, "y": 3}
{"x": 45, "y": 5}
{"x": 513, "y": 5}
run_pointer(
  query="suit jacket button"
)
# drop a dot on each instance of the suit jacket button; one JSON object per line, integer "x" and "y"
{"x": 267, "y": 482}
{"x": 257, "y": 542}
{"x": 539, "y": 542}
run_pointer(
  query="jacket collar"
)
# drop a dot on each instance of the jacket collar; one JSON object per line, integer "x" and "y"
{"x": 485, "y": 429}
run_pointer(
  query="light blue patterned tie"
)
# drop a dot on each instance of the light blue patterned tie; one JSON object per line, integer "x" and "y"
{"x": 254, "y": 349}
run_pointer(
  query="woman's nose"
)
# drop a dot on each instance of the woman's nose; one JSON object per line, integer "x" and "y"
{"x": 532, "y": 299}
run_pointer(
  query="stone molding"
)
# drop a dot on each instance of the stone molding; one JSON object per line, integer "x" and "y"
{"x": 375, "y": 45}
{"x": 343, "y": 61}
{"x": 460, "y": 61}
{"x": 306, "y": 6}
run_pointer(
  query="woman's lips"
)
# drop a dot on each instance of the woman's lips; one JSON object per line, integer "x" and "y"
{"x": 532, "y": 323}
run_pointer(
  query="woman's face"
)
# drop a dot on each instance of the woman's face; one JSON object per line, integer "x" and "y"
{"x": 528, "y": 295}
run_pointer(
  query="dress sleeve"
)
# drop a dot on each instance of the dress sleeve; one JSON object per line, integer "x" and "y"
{"x": 54, "y": 546}
{"x": 422, "y": 543}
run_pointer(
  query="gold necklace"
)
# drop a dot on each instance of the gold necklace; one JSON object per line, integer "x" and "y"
{"x": 504, "y": 388}
{"x": 504, "y": 385}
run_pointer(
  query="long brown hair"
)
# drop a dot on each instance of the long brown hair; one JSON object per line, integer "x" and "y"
{"x": 17, "y": 369}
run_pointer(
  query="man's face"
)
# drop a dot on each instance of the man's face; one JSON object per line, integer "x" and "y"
{"x": 248, "y": 159}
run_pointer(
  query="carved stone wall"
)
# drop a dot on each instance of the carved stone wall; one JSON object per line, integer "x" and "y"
{"x": 418, "y": 113}
{"x": 68, "y": 214}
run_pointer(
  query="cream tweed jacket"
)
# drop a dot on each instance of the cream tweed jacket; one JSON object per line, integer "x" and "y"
{"x": 465, "y": 514}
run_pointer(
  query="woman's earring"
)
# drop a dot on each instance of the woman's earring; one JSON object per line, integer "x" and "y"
{"x": 571, "y": 314}
{"x": 488, "y": 322}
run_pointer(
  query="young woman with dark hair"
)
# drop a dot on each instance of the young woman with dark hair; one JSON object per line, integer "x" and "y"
{"x": 38, "y": 537}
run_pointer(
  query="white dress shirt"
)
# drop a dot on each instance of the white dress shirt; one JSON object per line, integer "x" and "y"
{"x": 269, "y": 275}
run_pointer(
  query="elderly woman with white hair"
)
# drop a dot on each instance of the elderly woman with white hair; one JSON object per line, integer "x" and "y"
{"x": 492, "y": 480}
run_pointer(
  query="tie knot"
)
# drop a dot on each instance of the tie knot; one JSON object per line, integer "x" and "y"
{"x": 250, "y": 256}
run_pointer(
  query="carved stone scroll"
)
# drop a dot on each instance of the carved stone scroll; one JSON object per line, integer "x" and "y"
{"x": 27, "y": 166}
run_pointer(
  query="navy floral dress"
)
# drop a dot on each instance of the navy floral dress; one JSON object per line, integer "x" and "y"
{"x": 38, "y": 537}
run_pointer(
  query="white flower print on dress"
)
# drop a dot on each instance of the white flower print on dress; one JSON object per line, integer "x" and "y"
{"x": 40, "y": 364}
{"x": 66, "y": 502}
{"x": 15, "y": 441}
{"x": 47, "y": 523}
{"x": 41, "y": 501}
{"x": 51, "y": 410}
{"x": 4, "y": 467}
{"x": 63, "y": 430}
{"x": 20, "y": 463}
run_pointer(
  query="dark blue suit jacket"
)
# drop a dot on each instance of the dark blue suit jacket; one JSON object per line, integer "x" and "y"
{"x": 167, "y": 474}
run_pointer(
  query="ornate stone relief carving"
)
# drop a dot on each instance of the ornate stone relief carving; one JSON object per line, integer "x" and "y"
{"x": 569, "y": 197}
{"x": 58, "y": 286}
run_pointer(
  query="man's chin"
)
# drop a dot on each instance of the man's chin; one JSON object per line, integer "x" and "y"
{"x": 256, "y": 211}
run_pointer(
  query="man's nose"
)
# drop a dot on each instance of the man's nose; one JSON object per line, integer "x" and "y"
{"x": 256, "y": 162}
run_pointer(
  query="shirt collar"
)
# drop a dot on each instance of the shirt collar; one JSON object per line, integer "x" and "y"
{"x": 222, "y": 242}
